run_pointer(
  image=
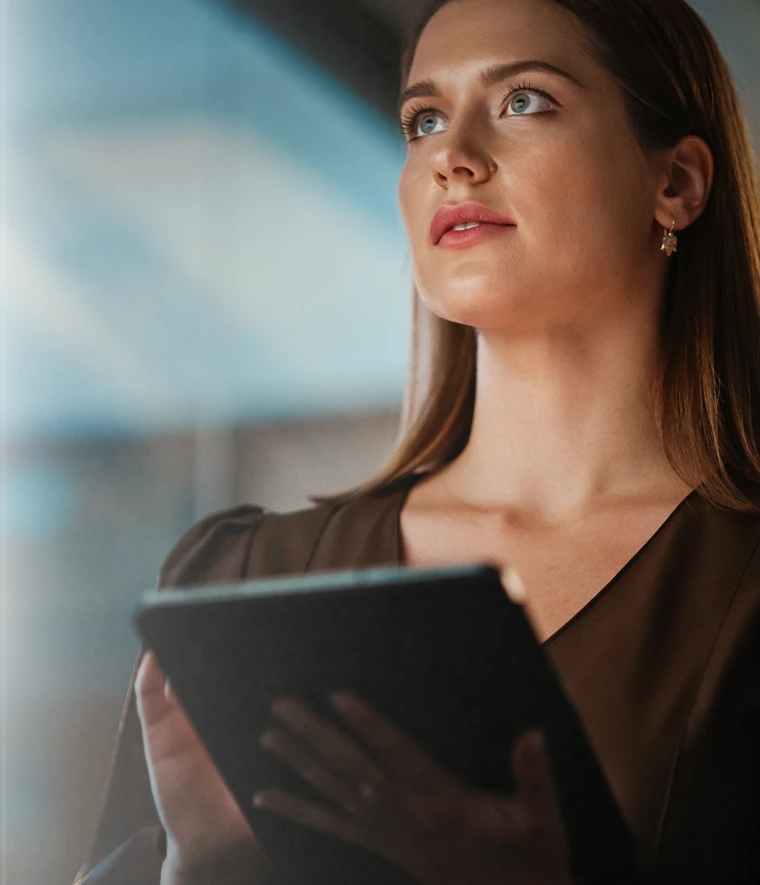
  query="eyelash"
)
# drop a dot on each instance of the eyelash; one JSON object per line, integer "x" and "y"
{"x": 410, "y": 117}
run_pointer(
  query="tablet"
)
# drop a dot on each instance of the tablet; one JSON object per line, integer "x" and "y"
{"x": 442, "y": 653}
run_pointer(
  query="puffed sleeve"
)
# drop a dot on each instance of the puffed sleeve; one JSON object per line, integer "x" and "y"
{"x": 129, "y": 844}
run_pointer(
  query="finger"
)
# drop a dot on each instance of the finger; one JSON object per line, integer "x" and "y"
{"x": 396, "y": 751}
{"x": 535, "y": 788}
{"x": 316, "y": 817}
{"x": 310, "y": 766}
{"x": 150, "y": 690}
{"x": 342, "y": 754}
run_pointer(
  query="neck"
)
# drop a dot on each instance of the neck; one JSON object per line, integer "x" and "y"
{"x": 565, "y": 422}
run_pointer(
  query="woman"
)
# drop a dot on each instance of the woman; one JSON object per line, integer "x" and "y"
{"x": 589, "y": 418}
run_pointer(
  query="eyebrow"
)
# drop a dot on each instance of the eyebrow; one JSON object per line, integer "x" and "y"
{"x": 491, "y": 75}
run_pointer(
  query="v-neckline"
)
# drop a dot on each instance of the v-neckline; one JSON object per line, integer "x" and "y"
{"x": 413, "y": 479}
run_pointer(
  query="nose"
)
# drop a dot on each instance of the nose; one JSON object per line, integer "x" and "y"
{"x": 458, "y": 158}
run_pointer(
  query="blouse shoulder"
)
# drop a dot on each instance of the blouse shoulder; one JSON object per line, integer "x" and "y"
{"x": 249, "y": 541}
{"x": 244, "y": 542}
{"x": 214, "y": 549}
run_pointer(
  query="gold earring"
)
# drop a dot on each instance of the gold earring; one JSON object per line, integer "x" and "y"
{"x": 669, "y": 241}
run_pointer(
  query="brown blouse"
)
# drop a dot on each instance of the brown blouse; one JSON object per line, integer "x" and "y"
{"x": 663, "y": 666}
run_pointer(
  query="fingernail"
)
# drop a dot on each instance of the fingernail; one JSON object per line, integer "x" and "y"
{"x": 537, "y": 742}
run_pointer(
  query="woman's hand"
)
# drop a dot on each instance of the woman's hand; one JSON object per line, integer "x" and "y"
{"x": 208, "y": 839}
{"x": 398, "y": 803}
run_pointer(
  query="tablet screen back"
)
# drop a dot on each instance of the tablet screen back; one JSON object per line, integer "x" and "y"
{"x": 443, "y": 654}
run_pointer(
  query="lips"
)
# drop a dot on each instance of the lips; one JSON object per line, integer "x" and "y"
{"x": 463, "y": 213}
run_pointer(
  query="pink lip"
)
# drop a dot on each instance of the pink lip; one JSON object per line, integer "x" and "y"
{"x": 449, "y": 216}
{"x": 458, "y": 239}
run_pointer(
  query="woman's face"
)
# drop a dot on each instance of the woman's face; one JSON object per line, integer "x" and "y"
{"x": 563, "y": 166}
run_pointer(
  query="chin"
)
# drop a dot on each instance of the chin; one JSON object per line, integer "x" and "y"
{"x": 480, "y": 305}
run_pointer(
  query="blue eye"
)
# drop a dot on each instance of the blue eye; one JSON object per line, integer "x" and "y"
{"x": 524, "y": 103}
{"x": 527, "y": 102}
{"x": 416, "y": 118}
{"x": 424, "y": 119}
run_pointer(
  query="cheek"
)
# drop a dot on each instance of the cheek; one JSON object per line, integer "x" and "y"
{"x": 581, "y": 201}
{"x": 406, "y": 199}
{"x": 417, "y": 200}
{"x": 596, "y": 179}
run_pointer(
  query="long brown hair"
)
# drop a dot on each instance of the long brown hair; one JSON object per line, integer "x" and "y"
{"x": 675, "y": 82}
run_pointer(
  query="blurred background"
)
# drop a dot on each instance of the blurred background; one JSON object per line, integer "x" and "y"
{"x": 206, "y": 302}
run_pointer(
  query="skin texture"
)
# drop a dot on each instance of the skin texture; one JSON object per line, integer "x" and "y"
{"x": 565, "y": 305}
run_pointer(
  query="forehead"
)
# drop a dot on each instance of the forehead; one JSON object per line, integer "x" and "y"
{"x": 466, "y": 34}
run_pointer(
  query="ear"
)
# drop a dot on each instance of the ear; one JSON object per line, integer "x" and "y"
{"x": 686, "y": 175}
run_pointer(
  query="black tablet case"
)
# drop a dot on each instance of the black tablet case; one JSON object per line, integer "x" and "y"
{"x": 444, "y": 654}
